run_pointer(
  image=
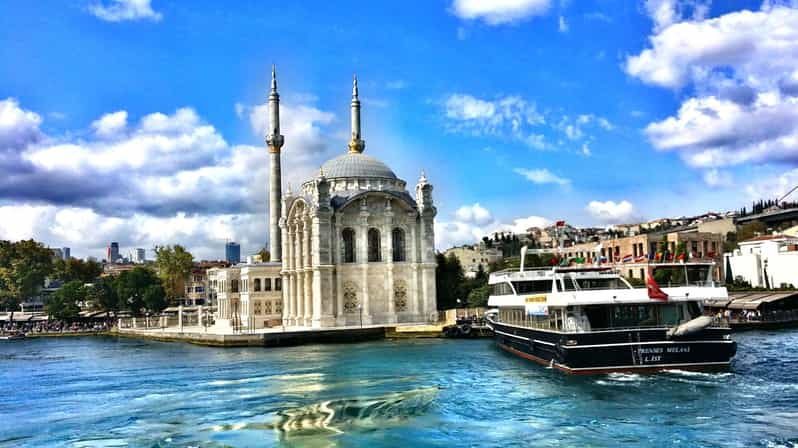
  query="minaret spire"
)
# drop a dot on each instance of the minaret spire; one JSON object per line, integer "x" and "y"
{"x": 275, "y": 142}
{"x": 356, "y": 145}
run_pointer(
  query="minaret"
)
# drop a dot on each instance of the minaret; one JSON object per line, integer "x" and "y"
{"x": 356, "y": 145}
{"x": 275, "y": 142}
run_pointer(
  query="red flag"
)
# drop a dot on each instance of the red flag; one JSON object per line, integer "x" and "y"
{"x": 654, "y": 291}
{"x": 560, "y": 224}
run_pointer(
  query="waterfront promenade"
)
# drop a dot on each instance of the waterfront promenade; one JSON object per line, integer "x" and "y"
{"x": 279, "y": 336}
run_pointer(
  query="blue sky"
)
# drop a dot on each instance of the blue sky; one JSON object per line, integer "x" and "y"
{"x": 141, "y": 121}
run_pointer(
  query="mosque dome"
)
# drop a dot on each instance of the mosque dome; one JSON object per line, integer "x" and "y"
{"x": 356, "y": 164}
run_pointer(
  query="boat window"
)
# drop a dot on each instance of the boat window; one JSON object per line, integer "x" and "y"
{"x": 599, "y": 283}
{"x": 501, "y": 289}
{"x": 532, "y": 286}
{"x": 698, "y": 275}
{"x": 694, "y": 310}
{"x": 598, "y": 316}
{"x": 633, "y": 316}
{"x": 670, "y": 314}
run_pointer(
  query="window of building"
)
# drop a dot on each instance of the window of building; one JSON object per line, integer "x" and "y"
{"x": 257, "y": 307}
{"x": 257, "y": 285}
{"x": 374, "y": 245}
{"x": 278, "y": 305}
{"x": 267, "y": 284}
{"x": 233, "y": 285}
{"x": 398, "y": 244}
{"x": 267, "y": 307}
{"x": 348, "y": 237}
{"x": 278, "y": 284}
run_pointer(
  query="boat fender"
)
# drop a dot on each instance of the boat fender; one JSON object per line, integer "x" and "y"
{"x": 692, "y": 326}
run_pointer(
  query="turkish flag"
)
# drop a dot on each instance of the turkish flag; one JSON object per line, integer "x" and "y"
{"x": 654, "y": 291}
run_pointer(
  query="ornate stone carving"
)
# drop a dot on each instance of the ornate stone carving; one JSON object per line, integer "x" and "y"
{"x": 350, "y": 297}
{"x": 399, "y": 296}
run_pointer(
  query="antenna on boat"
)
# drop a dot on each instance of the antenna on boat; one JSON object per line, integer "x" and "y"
{"x": 523, "y": 257}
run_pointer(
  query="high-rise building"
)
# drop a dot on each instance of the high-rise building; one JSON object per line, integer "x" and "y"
{"x": 112, "y": 252}
{"x": 232, "y": 252}
{"x": 140, "y": 256}
{"x": 66, "y": 252}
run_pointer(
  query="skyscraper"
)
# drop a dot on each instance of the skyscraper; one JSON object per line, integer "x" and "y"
{"x": 112, "y": 252}
{"x": 66, "y": 252}
{"x": 139, "y": 256}
{"x": 232, "y": 252}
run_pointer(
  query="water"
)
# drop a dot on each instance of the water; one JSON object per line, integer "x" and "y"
{"x": 87, "y": 392}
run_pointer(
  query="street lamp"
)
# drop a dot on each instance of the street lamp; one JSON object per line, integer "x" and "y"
{"x": 360, "y": 310}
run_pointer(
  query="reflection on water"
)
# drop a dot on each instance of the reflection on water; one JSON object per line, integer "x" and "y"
{"x": 342, "y": 415}
{"x": 117, "y": 392}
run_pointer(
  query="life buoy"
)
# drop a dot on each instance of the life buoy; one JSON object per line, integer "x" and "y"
{"x": 465, "y": 329}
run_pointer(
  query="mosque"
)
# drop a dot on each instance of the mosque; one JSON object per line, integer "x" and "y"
{"x": 352, "y": 246}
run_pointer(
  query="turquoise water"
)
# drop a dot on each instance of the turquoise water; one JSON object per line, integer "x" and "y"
{"x": 88, "y": 391}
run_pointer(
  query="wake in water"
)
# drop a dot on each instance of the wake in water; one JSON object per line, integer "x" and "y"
{"x": 342, "y": 415}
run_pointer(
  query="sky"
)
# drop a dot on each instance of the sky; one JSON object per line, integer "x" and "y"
{"x": 142, "y": 121}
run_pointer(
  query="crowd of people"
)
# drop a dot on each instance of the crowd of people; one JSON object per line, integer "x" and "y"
{"x": 54, "y": 326}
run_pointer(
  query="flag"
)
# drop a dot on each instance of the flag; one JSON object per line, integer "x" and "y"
{"x": 680, "y": 257}
{"x": 654, "y": 291}
{"x": 579, "y": 260}
{"x": 627, "y": 258}
{"x": 641, "y": 258}
{"x": 560, "y": 224}
{"x": 659, "y": 256}
{"x": 554, "y": 261}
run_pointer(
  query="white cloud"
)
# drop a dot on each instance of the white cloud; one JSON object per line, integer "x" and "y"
{"x": 472, "y": 222}
{"x": 18, "y": 127}
{"x": 610, "y": 212}
{"x": 774, "y": 186}
{"x": 667, "y": 12}
{"x": 163, "y": 176}
{"x": 110, "y": 125}
{"x": 586, "y": 150}
{"x": 563, "y": 25}
{"x": 121, "y": 10}
{"x": 496, "y": 12}
{"x": 509, "y": 116}
{"x": 542, "y": 176}
{"x": 302, "y": 125}
{"x": 474, "y": 214}
{"x": 717, "y": 178}
{"x": 757, "y": 45}
{"x": 744, "y": 76}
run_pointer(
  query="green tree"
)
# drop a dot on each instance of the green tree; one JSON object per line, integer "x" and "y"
{"x": 750, "y": 230}
{"x": 63, "y": 304}
{"x": 155, "y": 298}
{"x": 449, "y": 281}
{"x": 174, "y": 266}
{"x": 264, "y": 255}
{"x": 76, "y": 269}
{"x": 131, "y": 287}
{"x": 23, "y": 267}
{"x": 479, "y": 296}
{"x": 105, "y": 296}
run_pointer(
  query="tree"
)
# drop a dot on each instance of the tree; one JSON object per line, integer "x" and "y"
{"x": 264, "y": 255}
{"x": 449, "y": 281}
{"x": 63, "y": 304}
{"x": 105, "y": 295}
{"x": 23, "y": 268}
{"x": 155, "y": 298}
{"x": 174, "y": 266}
{"x": 750, "y": 230}
{"x": 76, "y": 269}
{"x": 131, "y": 287}
{"x": 479, "y": 296}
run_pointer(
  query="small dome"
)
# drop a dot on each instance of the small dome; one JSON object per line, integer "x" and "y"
{"x": 356, "y": 165}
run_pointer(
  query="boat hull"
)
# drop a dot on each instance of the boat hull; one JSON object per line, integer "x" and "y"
{"x": 632, "y": 350}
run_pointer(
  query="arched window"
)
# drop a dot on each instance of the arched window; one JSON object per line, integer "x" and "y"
{"x": 257, "y": 285}
{"x": 348, "y": 236}
{"x": 374, "y": 245}
{"x": 398, "y": 238}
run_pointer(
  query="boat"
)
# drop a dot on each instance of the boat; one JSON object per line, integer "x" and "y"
{"x": 12, "y": 336}
{"x": 591, "y": 320}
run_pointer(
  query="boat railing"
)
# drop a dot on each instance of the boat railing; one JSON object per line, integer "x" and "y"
{"x": 549, "y": 325}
